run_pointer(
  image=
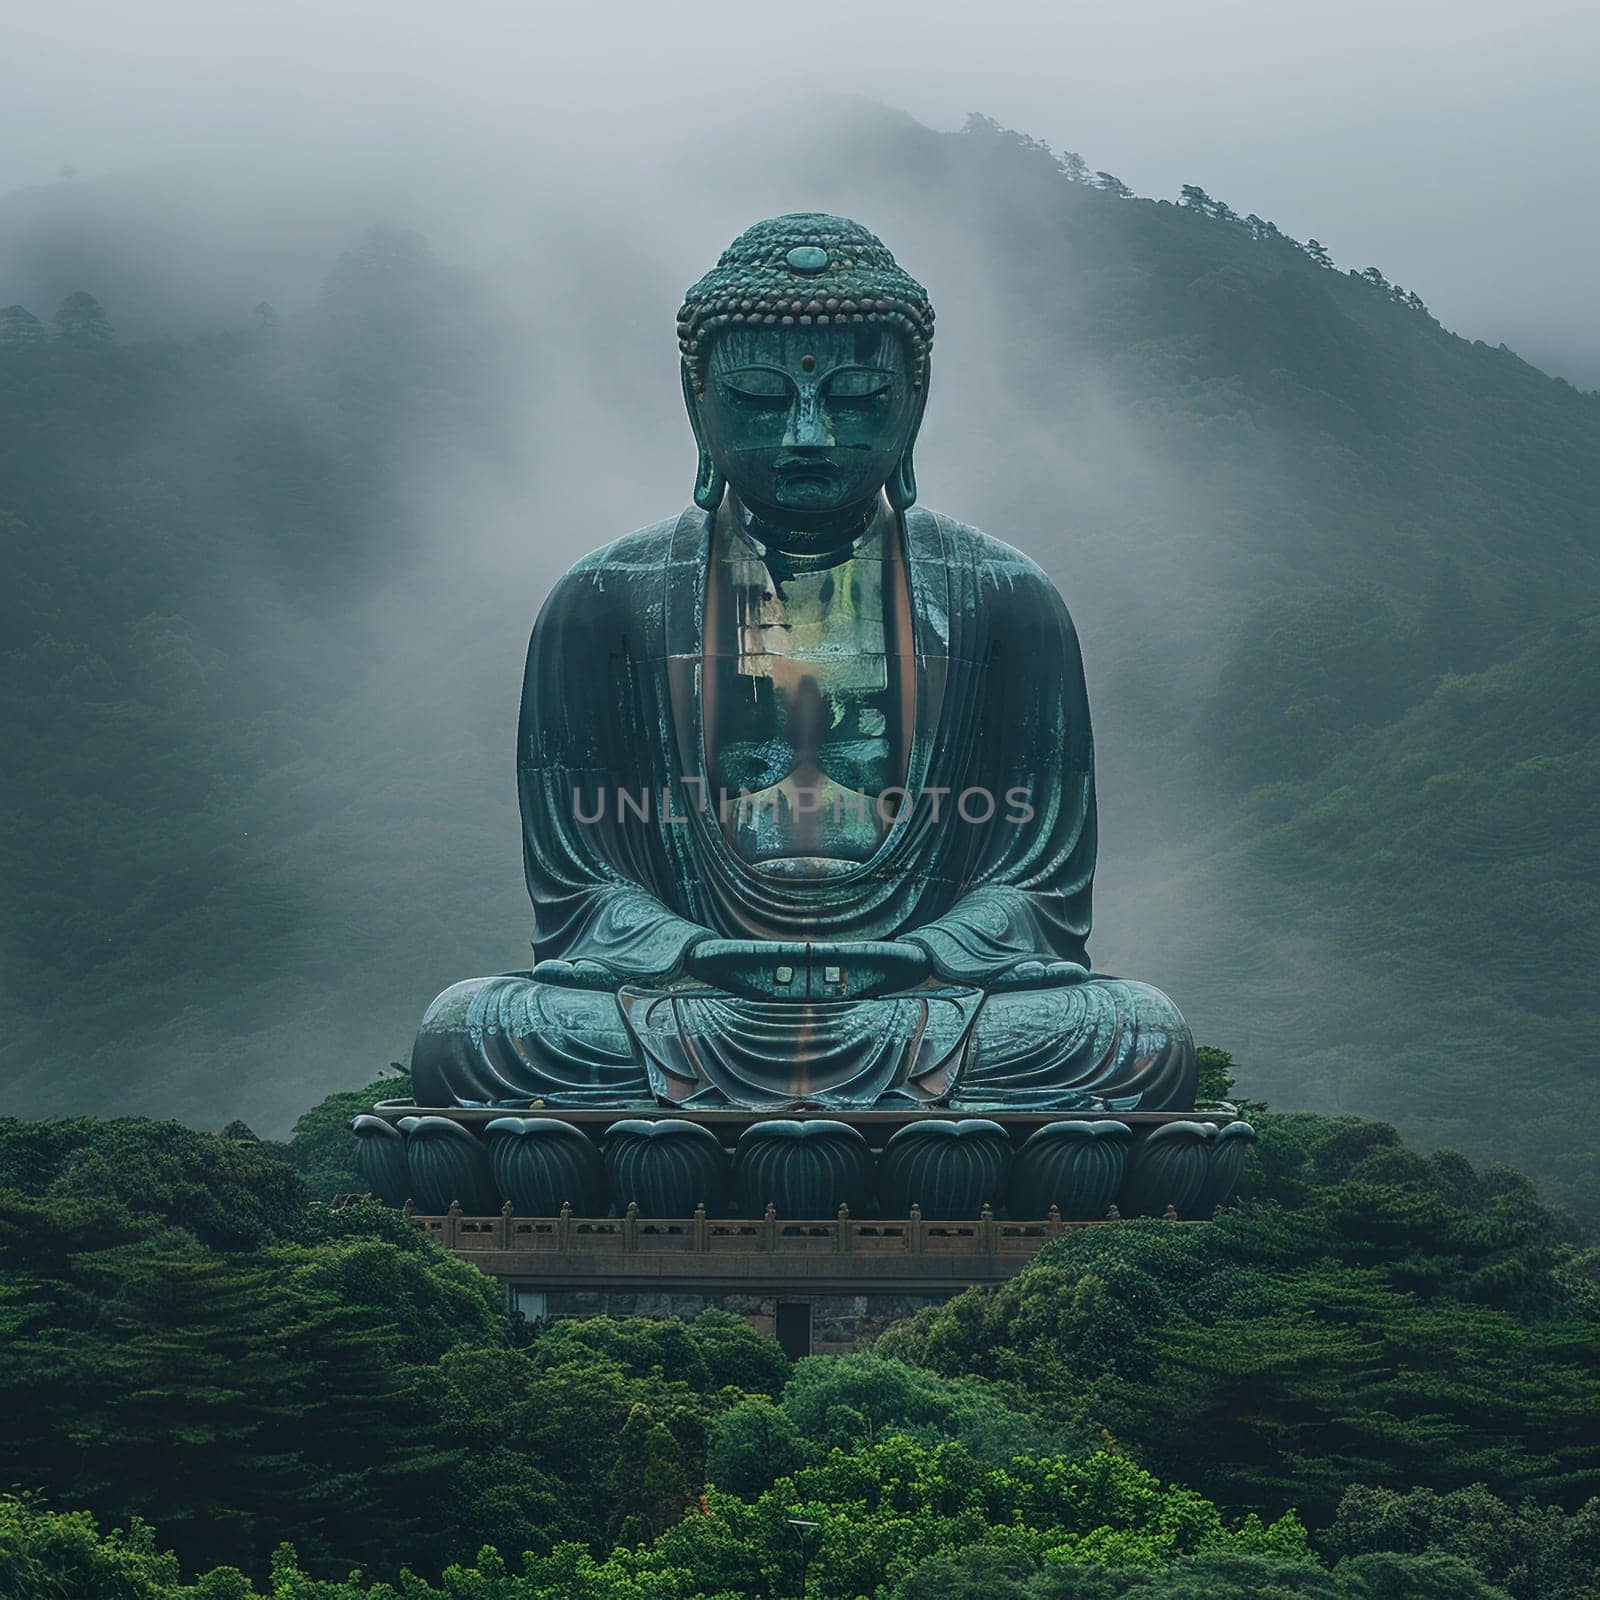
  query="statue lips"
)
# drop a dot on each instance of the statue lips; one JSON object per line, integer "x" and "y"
{"x": 805, "y": 471}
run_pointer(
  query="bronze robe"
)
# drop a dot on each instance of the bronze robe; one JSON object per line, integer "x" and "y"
{"x": 628, "y": 867}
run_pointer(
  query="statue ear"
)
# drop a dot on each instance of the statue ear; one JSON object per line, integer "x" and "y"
{"x": 902, "y": 485}
{"x": 709, "y": 484}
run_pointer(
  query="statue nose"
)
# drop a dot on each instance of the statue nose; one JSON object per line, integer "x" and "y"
{"x": 808, "y": 422}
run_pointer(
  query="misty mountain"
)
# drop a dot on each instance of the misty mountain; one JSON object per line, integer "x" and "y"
{"x": 1335, "y": 570}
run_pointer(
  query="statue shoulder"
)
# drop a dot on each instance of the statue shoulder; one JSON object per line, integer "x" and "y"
{"x": 606, "y": 580}
{"x": 646, "y": 549}
{"x": 1001, "y": 566}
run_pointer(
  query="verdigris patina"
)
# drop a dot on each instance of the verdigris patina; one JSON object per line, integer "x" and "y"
{"x": 806, "y": 773}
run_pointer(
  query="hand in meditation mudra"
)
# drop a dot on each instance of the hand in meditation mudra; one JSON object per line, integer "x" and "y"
{"x": 806, "y": 774}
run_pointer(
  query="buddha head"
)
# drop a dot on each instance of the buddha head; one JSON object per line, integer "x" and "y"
{"x": 805, "y": 371}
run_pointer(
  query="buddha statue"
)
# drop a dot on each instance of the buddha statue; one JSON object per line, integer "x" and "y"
{"x": 805, "y": 771}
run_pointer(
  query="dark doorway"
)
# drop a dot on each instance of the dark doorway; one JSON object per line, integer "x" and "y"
{"x": 794, "y": 1328}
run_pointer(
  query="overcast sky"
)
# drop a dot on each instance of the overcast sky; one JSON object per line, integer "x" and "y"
{"x": 1450, "y": 142}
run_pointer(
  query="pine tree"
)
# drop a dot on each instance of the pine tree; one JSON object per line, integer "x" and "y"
{"x": 171, "y": 1435}
{"x": 652, "y": 1488}
{"x": 81, "y": 319}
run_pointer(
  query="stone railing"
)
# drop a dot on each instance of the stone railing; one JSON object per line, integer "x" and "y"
{"x": 702, "y": 1235}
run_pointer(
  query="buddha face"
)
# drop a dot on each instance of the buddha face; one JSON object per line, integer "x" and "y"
{"x": 808, "y": 423}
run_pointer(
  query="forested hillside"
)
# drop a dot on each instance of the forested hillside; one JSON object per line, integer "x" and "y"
{"x": 201, "y": 536}
{"x": 1455, "y": 853}
{"x": 1335, "y": 571}
{"x": 1375, "y": 1380}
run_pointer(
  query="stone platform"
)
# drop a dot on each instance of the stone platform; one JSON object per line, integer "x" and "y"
{"x": 885, "y": 1164}
{"x": 817, "y": 1286}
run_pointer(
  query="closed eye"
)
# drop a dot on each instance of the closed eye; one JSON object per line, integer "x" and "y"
{"x": 859, "y": 383}
{"x": 764, "y": 384}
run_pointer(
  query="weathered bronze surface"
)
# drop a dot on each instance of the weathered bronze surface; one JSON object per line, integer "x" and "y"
{"x": 806, "y": 772}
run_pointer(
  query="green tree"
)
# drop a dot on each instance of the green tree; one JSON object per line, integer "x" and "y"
{"x": 1533, "y": 1552}
{"x": 1216, "y": 1079}
{"x": 1408, "y": 1323}
{"x": 751, "y": 1445}
{"x": 321, "y": 1146}
{"x": 231, "y": 1194}
{"x": 988, "y": 1575}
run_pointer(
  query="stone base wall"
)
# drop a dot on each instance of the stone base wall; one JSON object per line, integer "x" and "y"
{"x": 841, "y": 1322}
{"x": 838, "y": 1323}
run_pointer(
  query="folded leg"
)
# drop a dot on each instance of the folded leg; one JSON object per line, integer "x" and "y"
{"x": 1107, "y": 1039}
{"x": 507, "y": 1040}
